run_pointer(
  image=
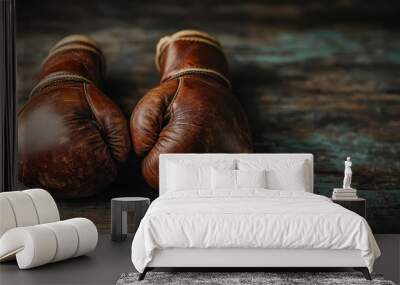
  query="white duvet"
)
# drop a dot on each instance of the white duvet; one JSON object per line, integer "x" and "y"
{"x": 250, "y": 219}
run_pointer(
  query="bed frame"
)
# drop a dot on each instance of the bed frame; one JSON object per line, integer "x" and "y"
{"x": 242, "y": 259}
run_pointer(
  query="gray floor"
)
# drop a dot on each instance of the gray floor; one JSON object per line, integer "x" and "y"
{"x": 104, "y": 266}
{"x": 110, "y": 260}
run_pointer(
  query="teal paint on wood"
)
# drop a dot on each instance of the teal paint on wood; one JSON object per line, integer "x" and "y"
{"x": 291, "y": 48}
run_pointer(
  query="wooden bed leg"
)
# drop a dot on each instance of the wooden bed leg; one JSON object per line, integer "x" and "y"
{"x": 364, "y": 271}
{"x": 143, "y": 274}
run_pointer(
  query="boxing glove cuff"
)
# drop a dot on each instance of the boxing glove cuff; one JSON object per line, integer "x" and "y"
{"x": 206, "y": 57}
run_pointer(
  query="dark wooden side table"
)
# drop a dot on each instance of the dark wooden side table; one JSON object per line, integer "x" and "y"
{"x": 358, "y": 205}
{"x": 119, "y": 215}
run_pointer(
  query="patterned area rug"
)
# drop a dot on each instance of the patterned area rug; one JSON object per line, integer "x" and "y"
{"x": 269, "y": 278}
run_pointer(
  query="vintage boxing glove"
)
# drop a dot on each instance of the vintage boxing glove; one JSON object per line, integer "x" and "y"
{"x": 71, "y": 137}
{"x": 193, "y": 109}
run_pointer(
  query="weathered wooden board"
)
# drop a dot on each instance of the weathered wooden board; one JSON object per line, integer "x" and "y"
{"x": 313, "y": 77}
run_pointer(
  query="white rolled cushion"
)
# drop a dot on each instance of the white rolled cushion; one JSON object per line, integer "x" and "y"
{"x": 188, "y": 175}
{"x": 33, "y": 246}
{"x": 251, "y": 178}
{"x": 87, "y": 233}
{"x": 26, "y": 208}
{"x": 40, "y": 244}
{"x": 7, "y": 219}
{"x": 223, "y": 179}
{"x": 282, "y": 174}
{"x": 45, "y": 205}
{"x": 67, "y": 239}
{"x": 23, "y": 208}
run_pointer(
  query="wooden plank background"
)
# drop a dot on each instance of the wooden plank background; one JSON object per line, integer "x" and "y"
{"x": 313, "y": 76}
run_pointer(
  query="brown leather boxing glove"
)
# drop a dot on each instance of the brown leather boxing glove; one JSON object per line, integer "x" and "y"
{"x": 193, "y": 109}
{"x": 71, "y": 137}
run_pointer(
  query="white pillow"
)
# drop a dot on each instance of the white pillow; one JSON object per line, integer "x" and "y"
{"x": 236, "y": 179}
{"x": 223, "y": 179}
{"x": 181, "y": 178}
{"x": 251, "y": 178}
{"x": 282, "y": 174}
{"x": 189, "y": 175}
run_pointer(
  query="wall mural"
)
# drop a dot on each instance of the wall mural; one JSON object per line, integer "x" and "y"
{"x": 311, "y": 78}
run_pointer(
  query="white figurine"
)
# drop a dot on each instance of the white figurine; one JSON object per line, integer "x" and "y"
{"x": 347, "y": 174}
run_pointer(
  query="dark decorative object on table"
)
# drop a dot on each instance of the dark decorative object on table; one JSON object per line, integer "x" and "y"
{"x": 119, "y": 215}
{"x": 357, "y": 205}
{"x": 7, "y": 96}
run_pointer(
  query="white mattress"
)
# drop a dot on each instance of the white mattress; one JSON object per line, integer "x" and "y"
{"x": 252, "y": 219}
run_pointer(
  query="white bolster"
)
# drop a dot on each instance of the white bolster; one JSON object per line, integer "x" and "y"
{"x": 26, "y": 208}
{"x": 7, "y": 219}
{"x": 67, "y": 240}
{"x": 45, "y": 205}
{"x": 40, "y": 244}
{"x": 23, "y": 209}
{"x": 32, "y": 246}
{"x": 87, "y": 233}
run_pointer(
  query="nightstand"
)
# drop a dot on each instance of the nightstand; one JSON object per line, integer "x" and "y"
{"x": 358, "y": 205}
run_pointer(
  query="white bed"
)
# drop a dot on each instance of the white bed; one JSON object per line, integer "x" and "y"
{"x": 250, "y": 227}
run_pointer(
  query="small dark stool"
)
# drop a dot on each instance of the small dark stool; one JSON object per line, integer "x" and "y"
{"x": 119, "y": 216}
